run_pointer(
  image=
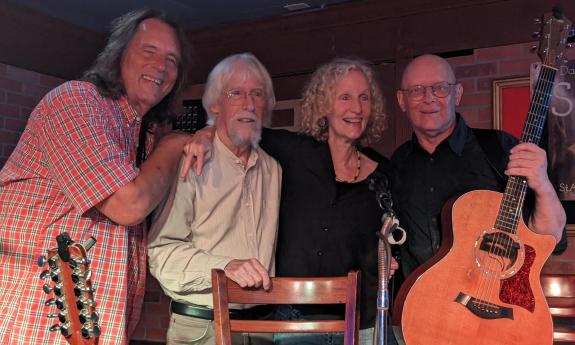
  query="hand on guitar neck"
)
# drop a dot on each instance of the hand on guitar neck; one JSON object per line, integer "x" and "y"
{"x": 530, "y": 161}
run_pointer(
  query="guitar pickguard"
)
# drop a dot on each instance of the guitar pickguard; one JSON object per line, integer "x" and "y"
{"x": 516, "y": 289}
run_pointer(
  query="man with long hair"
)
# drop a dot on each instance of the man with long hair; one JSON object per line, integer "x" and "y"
{"x": 74, "y": 171}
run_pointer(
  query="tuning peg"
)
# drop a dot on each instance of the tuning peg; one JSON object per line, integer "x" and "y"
{"x": 57, "y": 289}
{"x": 55, "y": 275}
{"x": 569, "y": 45}
{"x": 89, "y": 332}
{"x": 533, "y": 49}
{"x": 78, "y": 290}
{"x": 84, "y": 317}
{"x": 57, "y": 302}
{"x": 536, "y": 34}
{"x": 79, "y": 275}
{"x": 64, "y": 329}
{"x": 75, "y": 263}
{"x": 46, "y": 274}
{"x": 83, "y": 302}
{"x": 53, "y": 262}
{"x": 41, "y": 261}
{"x": 51, "y": 301}
{"x": 62, "y": 316}
{"x": 537, "y": 21}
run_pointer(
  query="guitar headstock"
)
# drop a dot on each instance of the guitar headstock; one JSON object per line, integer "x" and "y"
{"x": 68, "y": 279}
{"x": 554, "y": 33}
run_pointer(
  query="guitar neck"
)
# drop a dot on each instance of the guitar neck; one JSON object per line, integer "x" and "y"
{"x": 512, "y": 202}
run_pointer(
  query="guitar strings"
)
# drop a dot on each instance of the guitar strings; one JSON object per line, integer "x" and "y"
{"x": 515, "y": 194}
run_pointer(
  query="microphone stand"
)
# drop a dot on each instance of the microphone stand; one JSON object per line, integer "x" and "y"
{"x": 389, "y": 227}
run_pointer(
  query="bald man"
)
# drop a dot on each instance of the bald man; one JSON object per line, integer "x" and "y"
{"x": 444, "y": 159}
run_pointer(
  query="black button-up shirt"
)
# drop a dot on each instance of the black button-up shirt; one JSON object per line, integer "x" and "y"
{"x": 422, "y": 183}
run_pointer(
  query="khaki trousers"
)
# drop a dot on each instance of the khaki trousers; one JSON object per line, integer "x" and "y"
{"x": 187, "y": 330}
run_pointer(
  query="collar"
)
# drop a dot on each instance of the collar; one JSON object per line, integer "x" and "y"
{"x": 223, "y": 151}
{"x": 131, "y": 116}
{"x": 455, "y": 141}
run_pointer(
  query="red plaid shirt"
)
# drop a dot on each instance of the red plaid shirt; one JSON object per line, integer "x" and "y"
{"x": 77, "y": 149}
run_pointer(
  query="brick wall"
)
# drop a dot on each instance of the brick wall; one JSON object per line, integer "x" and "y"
{"x": 477, "y": 72}
{"x": 20, "y": 91}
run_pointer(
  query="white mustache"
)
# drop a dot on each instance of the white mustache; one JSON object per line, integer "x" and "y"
{"x": 245, "y": 115}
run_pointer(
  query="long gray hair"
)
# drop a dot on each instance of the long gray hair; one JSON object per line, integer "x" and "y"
{"x": 106, "y": 74}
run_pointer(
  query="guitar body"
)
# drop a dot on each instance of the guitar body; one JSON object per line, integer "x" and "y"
{"x": 432, "y": 313}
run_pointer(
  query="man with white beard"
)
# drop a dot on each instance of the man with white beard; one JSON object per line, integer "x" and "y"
{"x": 227, "y": 217}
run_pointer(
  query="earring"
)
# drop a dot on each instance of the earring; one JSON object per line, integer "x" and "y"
{"x": 322, "y": 123}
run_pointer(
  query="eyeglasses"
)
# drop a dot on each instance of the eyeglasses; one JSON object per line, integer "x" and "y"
{"x": 238, "y": 96}
{"x": 440, "y": 90}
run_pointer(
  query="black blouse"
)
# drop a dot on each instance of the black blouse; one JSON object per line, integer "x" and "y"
{"x": 326, "y": 228}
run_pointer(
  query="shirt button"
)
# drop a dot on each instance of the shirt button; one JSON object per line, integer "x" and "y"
{"x": 431, "y": 159}
{"x": 325, "y": 229}
{"x": 319, "y": 253}
{"x": 432, "y": 189}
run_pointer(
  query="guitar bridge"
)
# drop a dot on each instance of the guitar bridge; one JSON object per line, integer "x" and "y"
{"x": 483, "y": 309}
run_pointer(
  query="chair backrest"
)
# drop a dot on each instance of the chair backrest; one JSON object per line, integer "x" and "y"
{"x": 284, "y": 290}
{"x": 559, "y": 290}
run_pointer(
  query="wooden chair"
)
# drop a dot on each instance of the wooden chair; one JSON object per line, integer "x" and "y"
{"x": 324, "y": 290}
{"x": 559, "y": 290}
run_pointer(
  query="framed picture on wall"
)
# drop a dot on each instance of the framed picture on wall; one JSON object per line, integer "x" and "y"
{"x": 510, "y": 104}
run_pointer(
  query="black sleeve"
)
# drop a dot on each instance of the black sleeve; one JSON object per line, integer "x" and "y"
{"x": 562, "y": 245}
{"x": 278, "y": 143}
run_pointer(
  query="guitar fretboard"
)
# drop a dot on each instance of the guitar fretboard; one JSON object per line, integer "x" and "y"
{"x": 510, "y": 209}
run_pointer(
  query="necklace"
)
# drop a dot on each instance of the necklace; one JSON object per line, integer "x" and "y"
{"x": 354, "y": 178}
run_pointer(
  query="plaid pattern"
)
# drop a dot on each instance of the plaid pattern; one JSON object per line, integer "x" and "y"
{"x": 77, "y": 149}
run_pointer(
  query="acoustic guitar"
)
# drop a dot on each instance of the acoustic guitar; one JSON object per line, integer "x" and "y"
{"x": 68, "y": 280}
{"x": 483, "y": 286}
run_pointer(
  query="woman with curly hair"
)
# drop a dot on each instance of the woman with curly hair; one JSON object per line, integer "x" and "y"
{"x": 329, "y": 216}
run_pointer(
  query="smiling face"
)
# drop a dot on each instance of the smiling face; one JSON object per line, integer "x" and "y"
{"x": 240, "y": 108}
{"x": 431, "y": 116}
{"x": 149, "y": 66}
{"x": 351, "y": 107}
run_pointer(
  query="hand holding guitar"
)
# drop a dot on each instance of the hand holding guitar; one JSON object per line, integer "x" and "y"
{"x": 530, "y": 161}
{"x": 483, "y": 284}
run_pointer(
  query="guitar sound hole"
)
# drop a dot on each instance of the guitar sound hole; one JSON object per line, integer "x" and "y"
{"x": 499, "y": 254}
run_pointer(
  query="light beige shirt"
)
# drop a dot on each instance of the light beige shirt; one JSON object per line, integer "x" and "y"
{"x": 229, "y": 212}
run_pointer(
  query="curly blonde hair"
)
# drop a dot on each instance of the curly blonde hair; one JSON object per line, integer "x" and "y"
{"x": 318, "y": 100}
